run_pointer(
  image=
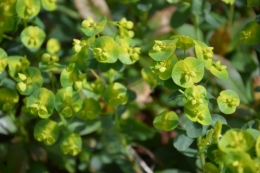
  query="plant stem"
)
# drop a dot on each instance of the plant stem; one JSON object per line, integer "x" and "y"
{"x": 25, "y": 23}
{"x": 52, "y": 81}
{"x": 181, "y": 91}
{"x": 231, "y": 15}
{"x": 202, "y": 156}
{"x": 196, "y": 25}
{"x": 95, "y": 74}
{"x": 8, "y": 37}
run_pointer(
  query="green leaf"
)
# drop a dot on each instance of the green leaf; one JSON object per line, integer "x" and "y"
{"x": 228, "y": 101}
{"x": 30, "y": 80}
{"x": 27, "y": 8}
{"x": 136, "y": 130}
{"x": 187, "y": 72}
{"x": 149, "y": 77}
{"x": 8, "y": 99}
{"x": 32, "y": 37}
{"x": 3, "y": 60}
{"x": 164, "y": 68}
{"x": 105, "y": 49}
{"x": 46, "y": 131}
{"x": 216, "y": 117}
{"x": 129, "y": 55}
{"x": 209, "y": 167}
{"x": 199, "y": 114}
{"x": 116, "y": 94}
{"x": 184, "y": 42}
{"x": 182, "y": 141}
{"x": 90, "y": 28}
{"x": 197, "y": 7}
{"x": 239, "y": 162}
{"x": 219, "y": 70}
{"x": 162, "y": 49}
{"x": 254, "y": 124}
{"x": 166, "y": 120}
{"x": 49, "y": 5}
{"x": 41, "y": 102}
{"x": 193, "y": 129}
{"x": 195, "y": 96}
{"x": 174, "y": 96}
{"x": 250, "y": 35}
{"x": 67, "y": 102}
{"x": 17, "y": 64}
{"x": 180, "y": 16}
{"x": 252, "y": 3}
{"x": 90, "y": 109}
{"x": 255, "y": 133}
{"x": 204, "y": 53}
{"x": 7, "y": 126}
{"x": 72, "y": 76}
{"x": 257, "y": 146}
{"x": 236, "y": 140}
{"x": 71, "y": 144}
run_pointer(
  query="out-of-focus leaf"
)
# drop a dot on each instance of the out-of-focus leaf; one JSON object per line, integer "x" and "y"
{"x": 252, "y": 3}
{"x": 193, "y": 129}
{"x": 180, "y": 16}
{"x": 136, "y": 130}
{"x": 182, "y": 141}
{"x": 7, "y": 125}
{"x": 250, "y": 34}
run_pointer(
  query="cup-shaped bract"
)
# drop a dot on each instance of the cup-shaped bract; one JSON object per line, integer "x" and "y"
{"x": 257, "y": 146}
{"x": 71, "y": 144}
{"x": 105, "y": 49}
{"x": 53, "y": 46}
{"x": 199, "y": 114}
{"x": 239, "y": 162}
{"x": 167, "y": 121}
{"x": 236, "y": 140}
{"x": 67, "y": 102}
{"x": 116, "y": 94}
{"x": 195, "y": 96}
{"x": 184, "y": 42}
{"x": 49, "y": 5}
{"x": 219, "y": 70}
{"x": 250, "y": 35}
{"x": 90, "y": 109}
{"x": 7, "y": 7}
{"x": 164, "y": 68}
{"x": 91, "y": 28}
{"x": 32, "y": 37}
{"x": 8, "y": 99}
{"x": 129, "y": 55}
{"x": 3, "y": 60}
{"x": 30, "y": 80}
{"x": 204, "y": 53}
{"x": 46, "y": 131}
{"x": 72, "y": 76}
{"x": 162, "y": 49}
{"x": 17, "y": 64}
{"x": 228, "y": 100}
{"x": 41, "y": 102}
{"x": 187, "y": 72}
{"x": 28, "y": 8}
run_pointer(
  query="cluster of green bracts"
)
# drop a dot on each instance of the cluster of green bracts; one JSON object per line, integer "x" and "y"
{"x": 77, "y": 97}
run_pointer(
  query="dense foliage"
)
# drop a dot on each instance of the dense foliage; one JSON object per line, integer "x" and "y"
{"x": 132, "y": 86}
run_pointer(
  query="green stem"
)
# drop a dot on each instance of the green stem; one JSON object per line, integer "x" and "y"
{"x": 202, "y": 156}
{"x": 95, "y": 74}
{"x": 117, "y": 120}
{"x": 181, "y": 91}
{"x": 8, "y": 37}
{"x": 52, "y": 81}
{"x": 196, "y": 25}
{"x": 231, "y": 14}
{"x": 25, "y": 23}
